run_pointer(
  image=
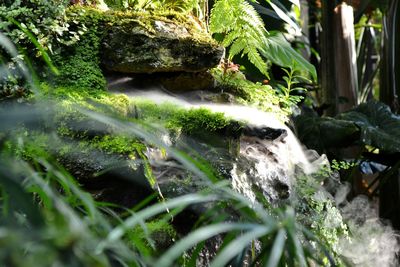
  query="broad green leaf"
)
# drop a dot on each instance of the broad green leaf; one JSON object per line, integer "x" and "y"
{"x": 283, "y": 15}
{"x": 370, "y": 124}
{"x": 278, "y": 50}
{"x": 380, "y": 128}
{"x": 324, "y": 133}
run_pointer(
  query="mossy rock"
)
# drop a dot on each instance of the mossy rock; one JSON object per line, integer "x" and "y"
{"x": 160, "y": 45}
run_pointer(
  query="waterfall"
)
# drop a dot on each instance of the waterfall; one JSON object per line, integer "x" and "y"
{"x": 270, "y": 156}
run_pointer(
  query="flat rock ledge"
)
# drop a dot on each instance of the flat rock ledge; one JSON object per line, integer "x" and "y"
{"x": 158, "y": 46}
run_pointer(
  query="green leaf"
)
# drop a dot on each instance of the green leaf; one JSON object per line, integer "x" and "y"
{"x": 153, "y": 210}
{"x": 239, "y": 244}
{"x": 295, "y": 2}
{"x": 283, "y": 15}
{"x": 32, "y": 38}
{"x": 370, "y": 123}
{"x": 278, "y": 50}
{"x": 325, "y": 133}
{"x": 277, "y": 249}
{"x": 243, "y": 30}
{"x": 380, "y": 128}
{"x": 200, "y": 235}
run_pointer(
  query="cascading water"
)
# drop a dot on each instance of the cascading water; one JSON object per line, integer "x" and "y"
{"x": 270, "y": 158}
{"x": 270, "y": 155}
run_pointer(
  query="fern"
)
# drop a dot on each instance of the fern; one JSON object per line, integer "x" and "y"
{"x": 243, "y": 30}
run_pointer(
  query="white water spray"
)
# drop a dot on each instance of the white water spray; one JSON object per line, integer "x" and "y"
{"x": 273, "y": 164}
{"x": 373, "y": 242}
{"x": 270, "y": 164}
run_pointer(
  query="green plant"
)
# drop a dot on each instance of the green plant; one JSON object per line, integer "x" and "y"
{"x": 238, "y": 26}
{"x": 45, "y": 19}
{"x": 156, "y": 5}
{"x": 293, "y": 84}
{"x": 79, "y": 73}
{"x": 243, "y": 30}
{"x": 369, "y": 124}
{"x": 47, "y": 218}
{"x": 248, "y": 93}
{"x": 79, "y": 63}
{"x": 104, "y": 237}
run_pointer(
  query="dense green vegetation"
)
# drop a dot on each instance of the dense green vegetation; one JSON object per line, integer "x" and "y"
{"x": 79, "y": 182}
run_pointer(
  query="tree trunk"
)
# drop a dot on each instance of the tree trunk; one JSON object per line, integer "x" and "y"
{"x": 345, "y": 58}
{"x": 390, "y": 68}
{"x": 328, "y": 81}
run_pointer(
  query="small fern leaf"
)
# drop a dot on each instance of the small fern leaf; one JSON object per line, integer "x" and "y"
{"x": 237, "y": 47}
{"x": 231, "y": 37}
{"x": 243, "y": 30}
{"x": 257, "y": 60}
{"x": 252, "y": 18}
{"x": 221, "y": 18}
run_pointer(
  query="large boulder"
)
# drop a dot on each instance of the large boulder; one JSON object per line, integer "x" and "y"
{"x": 158, "y": 45}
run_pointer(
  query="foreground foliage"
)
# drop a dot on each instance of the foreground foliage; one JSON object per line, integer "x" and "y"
{"x": 49, "y": 218}
{"x": 40, "y": 195}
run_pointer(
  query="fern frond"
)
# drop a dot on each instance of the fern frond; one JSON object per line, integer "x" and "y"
{"x": 243, "y": 30}
{"x": 252, "y": 18}
{"x": 231, "y": 37}
{"x": 221, "y": 19}
{"x": 257, "y": 60}
{"x": 238, "y": 46}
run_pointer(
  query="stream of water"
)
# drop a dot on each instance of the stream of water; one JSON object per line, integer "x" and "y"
{"x": 272, "y": 163}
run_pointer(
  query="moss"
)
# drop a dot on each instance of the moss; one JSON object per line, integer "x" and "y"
{"x": 93, "y": 99}
{"x": 117, "y": 144}
{"x": 32, "y": 146}
{"x": 178, "y": 119}
{"x": 147, "y": 20}
{"x": 79, "y": 63}
{"x": 80, "y": 73}
{"x": 160, "y": 231}
{"x": 261, "y": 96}
{"x": 89, "y": 135}
{"x": 199, "y": 120}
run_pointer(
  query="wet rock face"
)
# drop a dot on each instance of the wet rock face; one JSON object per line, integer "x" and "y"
{"x": 264, "y": 133}
{"x": 131, "y": 47}
{"x": 263, "y": 165}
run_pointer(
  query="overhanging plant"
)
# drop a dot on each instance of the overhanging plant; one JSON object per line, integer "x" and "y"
{"x": 241, "y": 30}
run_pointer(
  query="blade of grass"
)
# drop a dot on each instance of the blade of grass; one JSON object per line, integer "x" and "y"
{"x": 277, "y": 249}
{"x": 199, "y": 235}
{"x": 240, "y": 243}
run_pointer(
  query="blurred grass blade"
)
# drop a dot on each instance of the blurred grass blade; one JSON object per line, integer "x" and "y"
{"x": 18, "y": 200}
{"x": 8, "y": 45}
{"x": 293, "y": 239}
{"x": 32, "y": 38}
{"x": 197, "y": 236}
{"x": 277, "y": 249}
{"x": 151, "y": 211}
{"x": 134, "y": 129}
{"x": 239, "y": 244}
